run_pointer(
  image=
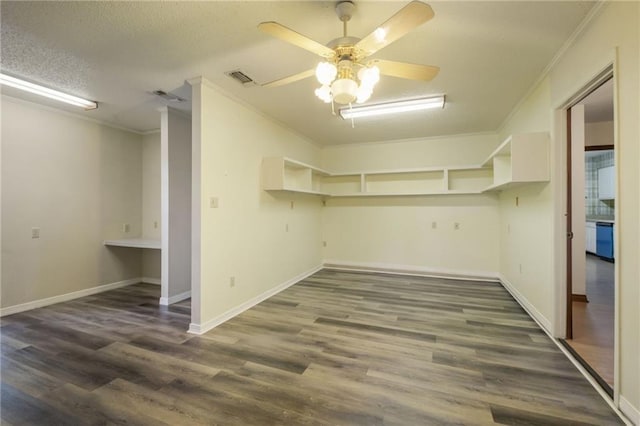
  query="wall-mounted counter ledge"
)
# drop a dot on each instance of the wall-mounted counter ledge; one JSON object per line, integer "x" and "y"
{"x": 147, "y": 243}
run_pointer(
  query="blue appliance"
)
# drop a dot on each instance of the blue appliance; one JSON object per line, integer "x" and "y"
{"x": 604, "y": 240}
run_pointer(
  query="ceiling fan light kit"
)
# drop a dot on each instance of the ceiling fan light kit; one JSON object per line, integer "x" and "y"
{"x": 345, "y": 89}
{"x": 409, "y": 105}
{"x": 345, "y": 74}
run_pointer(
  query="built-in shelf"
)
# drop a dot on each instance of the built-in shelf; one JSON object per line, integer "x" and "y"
{"x": 147, "y": 243}
{"x": 520, "y": 159}
{"x": 285, "y": 174}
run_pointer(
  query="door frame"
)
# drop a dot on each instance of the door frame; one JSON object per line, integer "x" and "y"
{"x": 563, "y": 213}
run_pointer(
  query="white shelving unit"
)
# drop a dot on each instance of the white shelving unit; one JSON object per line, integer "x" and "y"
{"x": 285, "y": 174}
{"x": 522, "y": 158}
{"x": 519, "y": 159}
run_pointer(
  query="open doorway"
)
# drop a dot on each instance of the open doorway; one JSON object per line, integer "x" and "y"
{"x": 591, "y": 221}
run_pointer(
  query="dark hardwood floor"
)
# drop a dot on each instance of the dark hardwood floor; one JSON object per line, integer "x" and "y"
{"x": 336, "y": 348}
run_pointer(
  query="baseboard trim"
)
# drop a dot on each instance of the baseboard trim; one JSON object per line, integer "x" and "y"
{"x": 632, "y": 413}
{"x": 542, "y": 321}
{"x": 384, "y": 268}
{"x": 165, "y": 301}
{"x": 214, "y": 322}
{"x": 66, "y": 297}
{"x": 149, "y": 280}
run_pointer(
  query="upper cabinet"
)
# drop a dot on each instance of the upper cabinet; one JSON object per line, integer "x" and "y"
{"x": 606, "y": 183}
{"x": 520, "y": 159}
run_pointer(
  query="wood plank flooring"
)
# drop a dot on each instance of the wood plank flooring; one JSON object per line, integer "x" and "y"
{"x": 336, "y": 348}
{"x": 593, "y": 322}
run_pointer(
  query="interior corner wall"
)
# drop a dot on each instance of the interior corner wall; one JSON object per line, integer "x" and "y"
{"x": 526, "y": 226}
{"x": 611, "y": 36}
{"x": 151, "y": 217}
{"x": 78, "y": 182}
{"x": 260, "y": 240}
{"x": 413, "y": 233}
{"x": 176, "y": 206}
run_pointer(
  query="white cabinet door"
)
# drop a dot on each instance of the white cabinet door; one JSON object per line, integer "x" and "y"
{"x": 606, "y": 183}
{"x": 590, "y": 237}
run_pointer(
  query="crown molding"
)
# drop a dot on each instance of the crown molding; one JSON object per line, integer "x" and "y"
{"x": 70, "y": 114}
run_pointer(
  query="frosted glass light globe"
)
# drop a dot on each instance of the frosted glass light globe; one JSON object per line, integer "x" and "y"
{"x": 344, "y": 90}
{"x": 369, "y": 77}
{"x": 363, "y": 95}
{"x": 324, "y": 93}
{"x": 326, "y": 72}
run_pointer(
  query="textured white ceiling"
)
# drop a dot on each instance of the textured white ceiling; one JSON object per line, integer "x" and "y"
{"x": 117, "y": 53}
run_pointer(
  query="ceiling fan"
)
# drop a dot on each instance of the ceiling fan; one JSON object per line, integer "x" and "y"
{"x": 346, "y": 74}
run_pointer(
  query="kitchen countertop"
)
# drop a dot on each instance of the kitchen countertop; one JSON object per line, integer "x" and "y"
{"x": 590, "y": 219}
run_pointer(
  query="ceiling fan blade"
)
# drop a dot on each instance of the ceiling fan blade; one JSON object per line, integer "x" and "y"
{"x": 290, "y": 79}
{"x": 406, "y": 70}
{"x": 286, "y": 34}
{"x": 405, "y": 20}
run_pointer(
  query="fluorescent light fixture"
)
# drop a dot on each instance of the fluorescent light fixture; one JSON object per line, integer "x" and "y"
{"x": 7, "y": 80}
{"x": 393, "y": 107}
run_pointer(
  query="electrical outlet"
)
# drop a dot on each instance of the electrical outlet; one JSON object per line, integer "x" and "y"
{"x": 35, "y": 232}
{"x": 213, "y": 202}
{"x": 232, "y": 282}
{"x": 456, "y": 226}
{"x": 126, "y": 228}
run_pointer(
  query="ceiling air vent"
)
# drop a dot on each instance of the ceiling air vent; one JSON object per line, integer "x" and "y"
{"x": 168, "y": 96}
{"x": 241, "y": 77}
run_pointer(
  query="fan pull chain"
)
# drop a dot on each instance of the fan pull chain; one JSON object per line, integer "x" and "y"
{"x": 333, "y": 107}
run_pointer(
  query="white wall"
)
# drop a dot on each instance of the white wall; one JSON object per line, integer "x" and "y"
{"x": 151, "y": 220}
{"x": 176, "y": 206}
{"x": 77, "y": 181}
{"x": 397, "y": 232}
{"x": 528, "y": 226}
{"x": 246, "y": 236}
{"x": 461, "y": 150}
{"x": 613, "y": 34}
